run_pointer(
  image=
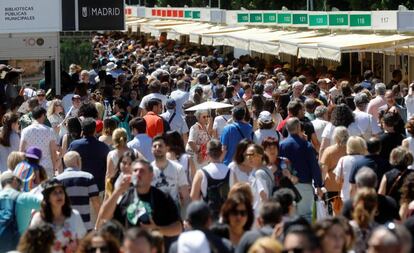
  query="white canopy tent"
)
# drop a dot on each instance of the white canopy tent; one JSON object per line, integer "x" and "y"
{"x": 207, "y": 38}
{"x": 333, "y": 49}
{"x": 196, "y": 35}
{"x": 155, "y": 29}
{"x": 269, "y": 43}
{"x": 240, "y": 39}
{"x": 176, "y": 32}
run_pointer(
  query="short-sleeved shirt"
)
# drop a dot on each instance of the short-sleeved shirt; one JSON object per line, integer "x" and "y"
{"x": 155, "y": 124}
{"x": 367, "y": 124}
{"x": 159, "y": 205}
{"x": 80, "y": 187}
{"x": 232, "y": 135}
{"x": 328, "y": 132}
{"x": 93, "y": 154}
{"x": 170, "y": 179}
{"x": 219, "y": 123}
{"x": 146, "y": 98}
{"x": 377, "y": 163}
{"x": 142, "y": 143}
{"x": 176, "y": 121}
{"x": 41, "y": 136}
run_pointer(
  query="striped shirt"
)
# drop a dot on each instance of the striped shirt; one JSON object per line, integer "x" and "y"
{"x": 80, "y": 187}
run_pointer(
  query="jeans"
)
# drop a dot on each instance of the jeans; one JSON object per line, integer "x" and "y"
{"x": 304, "y": 207}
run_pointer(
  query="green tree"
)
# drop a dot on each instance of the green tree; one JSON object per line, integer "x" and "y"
{"x": 75, "y": 50}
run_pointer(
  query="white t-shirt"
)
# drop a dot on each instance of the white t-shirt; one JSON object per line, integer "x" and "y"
{"x": 146, "y": 98}
{"x": 170, "y": 179}
{"x": 237, "y": 175}
{"x": 261, "y": 134}
{"x": 216, "y": 171}
{"x": 180, "y": 97}
{"x": 319, "y": 125}
{"x": 219, "y": 123}
{"x": 367, "y": 124}
{"x": 343, "y": 170}
{"x": 257, "y": 186}
{"x": 41, "y": 136}
{"x": 177, "y": 123}
{"x": 66, "y": 235}
{"x": 353, "y": 130}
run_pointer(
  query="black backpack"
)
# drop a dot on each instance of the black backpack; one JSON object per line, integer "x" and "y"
{"x": 217, "y": 190}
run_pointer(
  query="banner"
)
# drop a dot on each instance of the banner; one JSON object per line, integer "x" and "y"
{"x": 29, "y": 16}
{"x": 101, "y": 14}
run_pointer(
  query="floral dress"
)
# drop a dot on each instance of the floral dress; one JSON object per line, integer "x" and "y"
{"x": 68, "y": 235}
{"x": 199, "y": 135}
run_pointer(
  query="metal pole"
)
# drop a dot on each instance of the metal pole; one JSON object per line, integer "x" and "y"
{"x": 57, "y": 67}
{"x": 409, "y": 66}
{"x": 362, "y": 63}
{"x": 372, "y": 62}
{"x": 219, "y": 4}
{"x": 350, "y": 65}
{"x": 384, "y": 67}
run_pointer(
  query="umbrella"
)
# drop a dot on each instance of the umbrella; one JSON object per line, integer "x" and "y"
{"x": 209, "y": 105}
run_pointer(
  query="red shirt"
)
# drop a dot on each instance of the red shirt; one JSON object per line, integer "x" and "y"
{"x": 155, "y": 124}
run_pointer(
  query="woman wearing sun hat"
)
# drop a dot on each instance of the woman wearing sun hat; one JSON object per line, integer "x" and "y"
{"x": 266, "y": 128}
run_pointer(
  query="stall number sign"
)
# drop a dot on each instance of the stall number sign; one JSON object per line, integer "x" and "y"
{"x": 242, "y": 17}
{"x": 284, "y": 18}
{"x": 269, "y": 18}
{"x": 318, "y": 20}
{"x": 338, "y": 20}
{"x": 256, "y": 18}
{"x": 187, "y": 14}
{"x": 300, "y": 19}
{"x": 363, "y": 20}
{"x": 196, "y": 14}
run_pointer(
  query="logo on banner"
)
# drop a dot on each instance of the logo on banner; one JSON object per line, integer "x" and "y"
{"x": 84, "y": 12}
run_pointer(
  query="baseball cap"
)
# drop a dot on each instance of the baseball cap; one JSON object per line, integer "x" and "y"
{"x": 34, "y": 152}
{"x": 193, "y": 241}
{"x": 170, "y": 103}
{"x": 6, "y": 176}
{"x": 265, "y": 117}
{"x": 76, "y": 96}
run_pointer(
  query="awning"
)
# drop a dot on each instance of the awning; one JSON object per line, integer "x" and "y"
{"x": 269, "y": 43}
{"x": 332, "y": 50}
{"x": 207, "y": 38}
{"x": 291, "y": 45}
{"x": 176, "y": 32}
{"x": 240, "y": 39}
{"x": 196, "y": 35}
{"x": 157, "y": 28}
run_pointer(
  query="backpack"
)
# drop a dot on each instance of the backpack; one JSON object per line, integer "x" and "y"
{"x": 124, "y": 124}
{"x": 9, "y": 233}
{"x": 217, "y": 190}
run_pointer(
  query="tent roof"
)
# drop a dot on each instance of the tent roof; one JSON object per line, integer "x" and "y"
{"x": 177, "y": 31}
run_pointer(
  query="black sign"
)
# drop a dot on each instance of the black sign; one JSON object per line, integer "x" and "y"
{"x": 101, "y": 15}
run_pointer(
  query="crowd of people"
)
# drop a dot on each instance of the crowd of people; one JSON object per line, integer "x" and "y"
{"x": 287, "y": 160}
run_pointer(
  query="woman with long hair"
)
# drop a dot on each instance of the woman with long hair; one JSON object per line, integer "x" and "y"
{"x": 119, "y": 139}
{"x": 55, "y": 115}
{"x": 261, "y": 179}
{"x": 74, "y": 132}
{"x": 123, "y": 168}
{"x": 9, "y": 138}
{"x": 365, "y": 205}
{"x": 331, "y": 234}
{"x": 109, "y": 125}
{"x": 407, "y": 197}
{"x": 239, "y": 168}
{"x": 237, "y": 213}
{"x": 341, "y": 116}
{"x": 176, "y": 152}
{"x": 66, "y": 222}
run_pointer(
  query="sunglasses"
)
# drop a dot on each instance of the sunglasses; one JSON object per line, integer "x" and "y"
{"x": 206, "y": 117}
{"x": 239, "y": 213}
{"x": 103, "y": 249}
{"x": 40, "y": 95}
{"x": 294, "y": 250}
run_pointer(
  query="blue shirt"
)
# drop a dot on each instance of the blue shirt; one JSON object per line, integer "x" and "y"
{"x": 142, "y": 143}
{"x": 302, "y": 156}
{"x": 231, "y": 136}
{"x": 93, "y": 154}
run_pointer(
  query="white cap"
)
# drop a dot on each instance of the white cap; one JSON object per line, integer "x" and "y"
{"x": 265, "y": 117}
{"x": 193, "y": 241}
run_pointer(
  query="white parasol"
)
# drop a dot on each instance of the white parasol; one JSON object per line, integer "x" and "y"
{"x": 209, "y": 105}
